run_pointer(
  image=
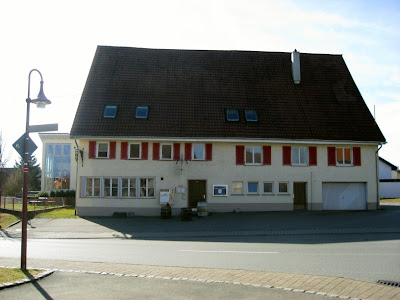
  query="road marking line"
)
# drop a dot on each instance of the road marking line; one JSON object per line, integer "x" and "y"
{"x": 222, "y": 251}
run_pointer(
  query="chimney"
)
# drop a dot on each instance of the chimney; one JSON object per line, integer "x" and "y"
{"x": 296, "y": 66}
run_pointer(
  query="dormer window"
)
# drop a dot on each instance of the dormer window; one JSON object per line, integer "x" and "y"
{"x": 251, "y": 115}
{"x": 232, "y": 115}
{"x": 110, "y": 111}
{"x": 142, "y": 112}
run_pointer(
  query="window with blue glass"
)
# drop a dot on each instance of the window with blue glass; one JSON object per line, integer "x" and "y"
{"x": 110, "y": 111}
{"x": 58, "y": 166}
{"x": 232, "y": 115}
{"x": 142, "y": 112}
{"x": 251, "y": 115}
{"x": 252, "y": 187}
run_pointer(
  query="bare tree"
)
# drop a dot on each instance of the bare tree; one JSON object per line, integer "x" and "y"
{"x": 3, "y": 160}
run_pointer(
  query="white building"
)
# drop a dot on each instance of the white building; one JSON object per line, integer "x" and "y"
{"x": 240, "y": 130}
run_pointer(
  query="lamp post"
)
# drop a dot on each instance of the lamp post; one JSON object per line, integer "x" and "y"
{"x": 41, "y": 101}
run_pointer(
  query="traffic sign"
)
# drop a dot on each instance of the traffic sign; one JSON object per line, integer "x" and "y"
{"x": 19, "y": 146}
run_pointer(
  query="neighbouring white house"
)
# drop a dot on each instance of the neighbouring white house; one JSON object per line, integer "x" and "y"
{"x": 239, "y": 130}
{"x": 389, "y": 181}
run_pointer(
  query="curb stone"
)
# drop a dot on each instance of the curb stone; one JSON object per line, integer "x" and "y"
{"x": 26, "y": 280}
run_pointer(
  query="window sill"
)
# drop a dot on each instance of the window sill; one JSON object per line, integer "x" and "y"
{"x": 237, "y": 194}
{"x": 284, "y": 194}
{"x": 268, "y": 194}
{"x": 253, "y": 194}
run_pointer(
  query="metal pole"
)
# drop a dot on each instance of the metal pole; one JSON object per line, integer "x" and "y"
{"x": 25, "y": 189}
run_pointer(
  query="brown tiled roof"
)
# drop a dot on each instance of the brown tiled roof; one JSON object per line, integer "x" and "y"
{"x": 188, "y": 92}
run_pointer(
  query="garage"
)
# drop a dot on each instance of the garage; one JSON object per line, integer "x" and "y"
{"x": 344, "y": 196}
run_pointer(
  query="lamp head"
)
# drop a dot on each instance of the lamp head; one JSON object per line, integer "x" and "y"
{"x": 41, "y": 100}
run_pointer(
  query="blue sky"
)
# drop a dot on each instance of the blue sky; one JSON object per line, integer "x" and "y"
{"x": 60, "y": 37}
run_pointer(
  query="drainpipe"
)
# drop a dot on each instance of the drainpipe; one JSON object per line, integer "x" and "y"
{"x": 377, "y": 177}
{"x": 311, "y": 191}
{"x": 76, "y": 175}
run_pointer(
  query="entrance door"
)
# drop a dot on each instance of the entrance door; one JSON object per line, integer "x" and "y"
{"x": 197, "y": 192}
{"x": 300, "y": 196}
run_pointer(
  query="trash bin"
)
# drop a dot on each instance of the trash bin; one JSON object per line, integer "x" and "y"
{"x": 202, "y": 210}
{"x": 186, "y": 214}
{"x": 166, "y": 212}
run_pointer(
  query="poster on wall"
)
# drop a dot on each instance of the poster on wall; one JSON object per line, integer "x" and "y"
{"x": 220, "y": 190}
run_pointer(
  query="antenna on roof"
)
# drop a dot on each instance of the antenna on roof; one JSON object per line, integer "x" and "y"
{"x": 374, "y": 111}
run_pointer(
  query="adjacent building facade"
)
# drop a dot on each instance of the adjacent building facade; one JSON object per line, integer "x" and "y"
{"x": 239, "y": 130}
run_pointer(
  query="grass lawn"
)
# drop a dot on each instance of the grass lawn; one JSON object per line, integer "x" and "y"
{"x": 397, "y": 200}
{"x": 62, "y": 213}
{"x": 7, "y": 219}
{"x": 10, "y": 275}
{"x": 30, "y": 206}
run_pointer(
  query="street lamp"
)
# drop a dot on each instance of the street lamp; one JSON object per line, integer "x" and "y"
{"x": 41, "y": 101}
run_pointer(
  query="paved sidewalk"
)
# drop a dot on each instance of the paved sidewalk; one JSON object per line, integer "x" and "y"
{"x": 319, "y": 285}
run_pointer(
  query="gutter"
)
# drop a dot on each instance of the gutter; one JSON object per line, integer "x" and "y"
{"x": 377, "y": 177}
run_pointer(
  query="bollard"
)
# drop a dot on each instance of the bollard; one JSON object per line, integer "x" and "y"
{"x": 13, "y": 203}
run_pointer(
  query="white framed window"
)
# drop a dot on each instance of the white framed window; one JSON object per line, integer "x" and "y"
{"x": 237, "y": 187}
{"x": 253, "y": 155}
{"x": 198, "y": 152}
{"x": 166, "y": 152}
{"x": 135, "y": 151}
{"x": 103, "y": 150}
{"x": 300, "y": 156}
{"x": 146, "y": 187}
{"x": 283, "y": 187}
{"x": 128, "y": 187}
{"x": 110, "y": 187}
{"x": 344, "y": 156}
{"x": 268, "y": 187}
{"x": 252, "y": 187}
{"x": 92, "y": 187}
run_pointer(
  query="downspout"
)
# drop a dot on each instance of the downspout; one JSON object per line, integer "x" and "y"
{"x": 377, "y": 177}
{"x": 76, "y": 175}
{"x": 311, "y": 191}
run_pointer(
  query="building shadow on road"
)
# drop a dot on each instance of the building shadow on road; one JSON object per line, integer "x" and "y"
{"x": 303, "y": 227}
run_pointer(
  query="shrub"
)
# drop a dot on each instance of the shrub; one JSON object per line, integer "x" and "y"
{"x": 52, "y": 194}
{"x": 43, "y": 194}
{"x": 60, "y": 193}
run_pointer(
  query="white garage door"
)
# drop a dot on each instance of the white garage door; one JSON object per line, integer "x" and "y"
{"x": 344, "y": 196}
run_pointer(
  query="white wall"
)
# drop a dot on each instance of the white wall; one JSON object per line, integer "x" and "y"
{"x": 385, "y": 171}
{"x": 223, "y": 170}
{"x": 389, "y": 189}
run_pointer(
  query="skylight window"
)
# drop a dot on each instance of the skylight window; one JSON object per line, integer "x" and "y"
{"x": 251, "y": 115}
{"x": 232, "y": 115}
{"x": 110, "y": 111}
{"x": 142, "y": 112}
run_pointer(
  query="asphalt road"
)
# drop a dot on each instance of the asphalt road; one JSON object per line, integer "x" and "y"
{"x": 368, "y": 257}
{"x": 62, "y": 285}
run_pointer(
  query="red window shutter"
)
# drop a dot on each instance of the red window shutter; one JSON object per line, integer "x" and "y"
{"x": 124, "y": 150}
{"x": 92, "y": 149}
{"x": 286, "y": 155}
{"x": 145, "y": 150}
{"x": 156, "y": 151}
{"x": 113, "y": 148}
{"x": 312, "y": 156}
{"x": 188, "y": 151}
{"x": 266, "y": 155}
{"x": 177, "y": 151}
{"x": 208, "y": 151}
{"x": 240, "y": 155}
{"x": 331, "y": 156}
{"x": 356, "y": 156}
